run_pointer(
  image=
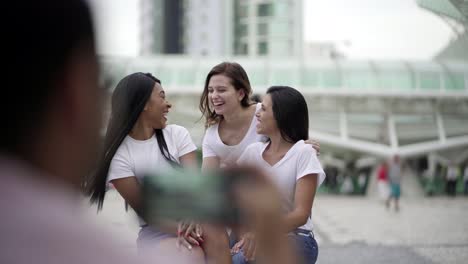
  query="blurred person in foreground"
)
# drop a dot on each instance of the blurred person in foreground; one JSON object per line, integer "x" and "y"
{"x": 53, "y": 118}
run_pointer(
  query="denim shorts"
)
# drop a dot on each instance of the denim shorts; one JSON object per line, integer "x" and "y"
{"x": 149, "y": 237}
{"x": 306, "y": 246}
{"x": 304, "y": 243}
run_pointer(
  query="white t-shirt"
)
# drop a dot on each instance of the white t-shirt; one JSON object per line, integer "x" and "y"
{"x": 213, "y": 146}
{"x": 136, "y": 158}
{"x": 139, "y": 157}
{"x": 299, "y": 161}
{"x": 452, "y": 172}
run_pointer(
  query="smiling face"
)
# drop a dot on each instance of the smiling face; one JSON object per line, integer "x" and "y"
{"x": 157, "y": 108}
{"x": 223, "y": 96}
{"x": 267, "y": 124}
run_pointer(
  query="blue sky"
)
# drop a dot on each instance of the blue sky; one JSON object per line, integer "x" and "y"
{"x": 363, "y": 29}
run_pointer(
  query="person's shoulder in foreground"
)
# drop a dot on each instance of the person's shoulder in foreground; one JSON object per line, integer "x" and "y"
{"x": 42, "y": 222}
{"x": 53, "y": 115}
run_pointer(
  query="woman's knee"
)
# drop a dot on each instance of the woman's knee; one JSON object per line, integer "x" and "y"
{"x": 167, "y": 251}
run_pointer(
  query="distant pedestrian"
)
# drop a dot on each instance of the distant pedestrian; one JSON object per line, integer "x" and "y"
{"x": 452, "y": 175}
{"x": 382, "y": 181}
{"x": 465, "y": 179}
{"x": 394, "y": 177}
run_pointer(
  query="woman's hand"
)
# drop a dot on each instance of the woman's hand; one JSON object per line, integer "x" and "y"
{"x": 189, "y": 233}
{"x": 249, "y": 246}
{"x": 315, "y": 144}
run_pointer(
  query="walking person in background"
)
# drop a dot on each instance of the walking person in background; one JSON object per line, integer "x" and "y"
{"x": 291, "y": 164}
{"x": 394, "y": 178}
{"x": 382, "y": 180}
{"x": 452, "y": 175}
{"x": 465, "y": 179}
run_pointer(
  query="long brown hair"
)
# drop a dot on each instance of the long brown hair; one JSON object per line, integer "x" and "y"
{"x": 239, "y": 80}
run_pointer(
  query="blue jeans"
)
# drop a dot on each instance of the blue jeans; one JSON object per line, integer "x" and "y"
{"x": 306, "y": 246}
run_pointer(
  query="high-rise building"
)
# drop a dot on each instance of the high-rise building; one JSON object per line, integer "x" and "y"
{"x": 208, "y": 27}
{"x": 161, "y": 30}
{"x": 268, "y": 27}
{"x": 220, "y": 28}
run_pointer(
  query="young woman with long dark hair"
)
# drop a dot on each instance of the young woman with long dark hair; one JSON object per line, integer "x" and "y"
{"x": 291, "y": 164}
{"x": 139, "y": 141}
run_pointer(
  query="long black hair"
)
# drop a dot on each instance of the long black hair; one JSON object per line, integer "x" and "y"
{"x": 128, "y": 101}
{"x": 290, "y": 112}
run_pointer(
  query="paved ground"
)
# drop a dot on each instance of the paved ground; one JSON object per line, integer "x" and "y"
{"x": 359, "y": 229}
{"x": 362, "y": 230}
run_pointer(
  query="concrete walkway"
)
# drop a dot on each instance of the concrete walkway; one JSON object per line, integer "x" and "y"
{"x": 362, "y": 230}
{"x": 353, "y": 229}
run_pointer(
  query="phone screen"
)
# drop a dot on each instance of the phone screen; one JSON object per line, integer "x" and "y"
{"x": 188, "y": 194}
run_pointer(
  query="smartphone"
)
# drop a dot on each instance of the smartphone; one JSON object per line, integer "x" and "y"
{"x": 189, "y": 194}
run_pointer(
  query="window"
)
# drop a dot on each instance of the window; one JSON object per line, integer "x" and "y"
{"x": 264, "y": 10}
{"x": 243, "y": 11}
{"x": 242, "y": 30}
{"x": 429, "y": 80}
{"x": 331, "y": 79}
{"x": 244, "y": 49}
{"x": 454, "y": 81}
{"x": 241, "y": 48}
{"x": 262, "y": 29}
{"x": 262, "y": 48}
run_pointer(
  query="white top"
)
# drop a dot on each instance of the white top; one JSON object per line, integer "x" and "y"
{"x": 452, "y": 172}
{"x": 139, "y": 157}
{"x": 299, "y": 161}
{"x": 394, "y": 172}
{"x": 213, "y": 146}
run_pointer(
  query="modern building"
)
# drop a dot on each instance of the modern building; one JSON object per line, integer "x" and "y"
{"x": 374, "y": 107}
{"x": 208, "y": 27}
{"x": 322, "y": 50}
{"x": 268, "y": 27}
{"x": 222, "y": 28}
{"x": 455, "y": 14}
{"x": 161, "y": 27}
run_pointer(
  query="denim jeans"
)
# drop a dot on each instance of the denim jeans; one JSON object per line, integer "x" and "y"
{"x": 306, "y": 246}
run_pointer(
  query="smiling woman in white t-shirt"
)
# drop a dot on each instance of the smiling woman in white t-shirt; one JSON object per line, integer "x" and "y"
{"x": 292, "y": 164}
{"x": 138, "y": 141}
{"x": 229, "y": 115}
